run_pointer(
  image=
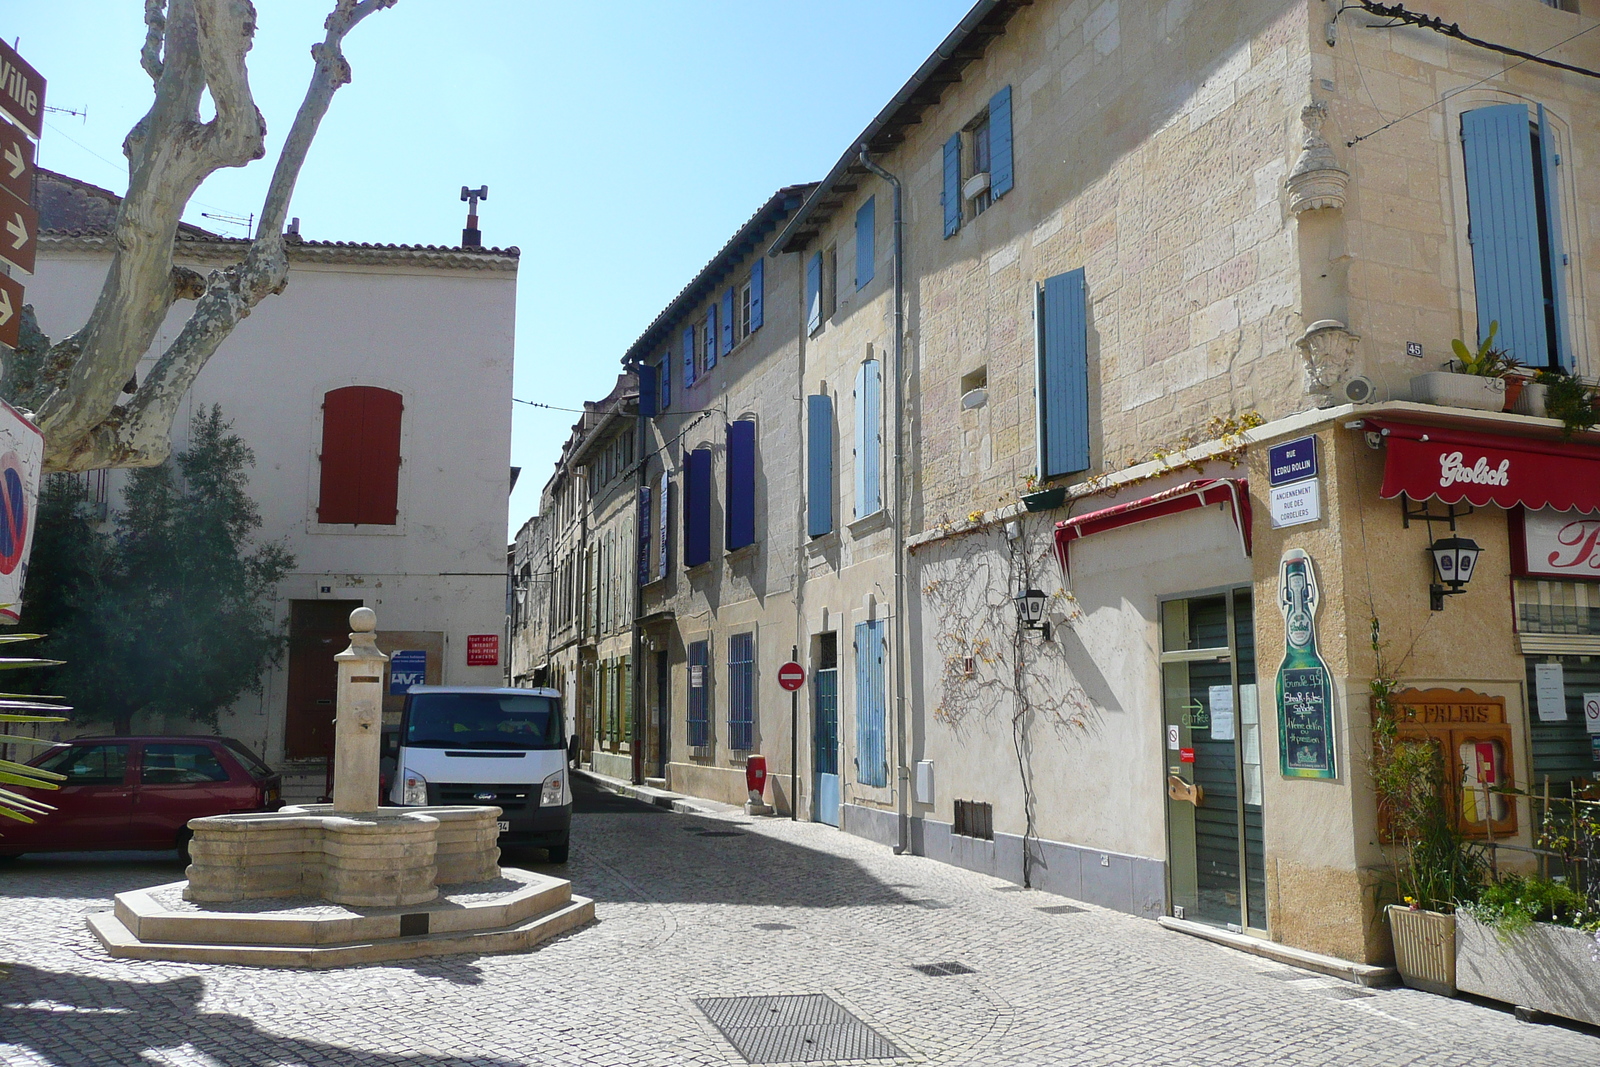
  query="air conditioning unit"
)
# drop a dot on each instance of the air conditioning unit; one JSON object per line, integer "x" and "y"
{"x": 1361, "y": 390}
{"x": 978, "y": 183}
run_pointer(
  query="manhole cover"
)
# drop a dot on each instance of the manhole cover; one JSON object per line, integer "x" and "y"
{"x": 795, "y": 1029}
{"x": 772, "y": 926}
{"x": 1060, "y": 909}
{"x": 938, "y": 970}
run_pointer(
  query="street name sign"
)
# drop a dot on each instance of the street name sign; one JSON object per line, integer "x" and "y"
{"x": 16, "y": 162}
{"x": 21, "y": 91}
{"x": 791, "y": 676}
{"x": 1292, "y": 461}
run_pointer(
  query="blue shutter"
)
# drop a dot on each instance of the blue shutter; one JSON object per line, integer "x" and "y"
{"x": 866, "y": 245}
{"x": 666, "y": 380}
{"x": 741, "y": 691}
{"x": 869, "y": 439}
{"x": 697, "y": 508}
{"x": 648, "y": 391}
{"x": 663, "y": 536}
{"x": 1000, "y": 169}
{"x": 819, "y": 465}
{"x": 951, "y": 196}
{"x": 709, "y": 342}
{"x": 646, "y": 530}
{"x": 1549, "y": 160}
{"x": 699, "y": 671}
{"x": 1063, "y": 375}
{"x": 740, "y": 521}
{"x": 688, "y": 356}
{"x": 1507, "y": 264}
{"x": 757, "y": 275}
{"x": 727, "y": 321}
{"x": 814, "y": 293}
{"x": 872, "y": 753}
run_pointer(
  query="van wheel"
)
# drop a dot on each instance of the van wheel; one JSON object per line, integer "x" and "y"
{"x": 558, "y": 853}
{"x": 184, "y": 837}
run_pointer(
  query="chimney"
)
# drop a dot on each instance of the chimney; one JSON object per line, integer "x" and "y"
{"x": 472, "y": 237}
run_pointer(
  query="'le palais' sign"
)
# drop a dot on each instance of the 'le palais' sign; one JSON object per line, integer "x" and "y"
{"x": 1428, "y": 706}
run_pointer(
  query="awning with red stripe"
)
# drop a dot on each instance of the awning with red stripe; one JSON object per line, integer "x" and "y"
{"x": 1481, "y": 468}
{"x": 1202, "y": 492}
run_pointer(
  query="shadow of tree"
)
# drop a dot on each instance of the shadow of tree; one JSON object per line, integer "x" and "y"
{"x": 66, "y": 1018}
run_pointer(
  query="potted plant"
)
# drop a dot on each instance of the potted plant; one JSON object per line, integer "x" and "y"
{"x": 1566, "y": 398}
{"x": 1432, "y": 865}
{"x": 1474, "y": 379}
{"x": 1035, "y": 498}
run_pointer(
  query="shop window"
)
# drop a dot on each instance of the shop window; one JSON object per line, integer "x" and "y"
{"x": 1473, "y": 740}
{"x": 360, "y": 456}
{"x": 974, "y": 818}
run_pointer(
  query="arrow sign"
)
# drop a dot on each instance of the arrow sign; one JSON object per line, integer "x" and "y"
{"x": 19, "y": 231}
{"x": 10, "y": 311}
{"x": 21, "y": 90}
{"x": 16, "y": 162}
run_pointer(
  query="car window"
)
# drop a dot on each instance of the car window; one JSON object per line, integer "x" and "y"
{"x": 252, "y": 763}
{"x": 483, "y": 720}
{"x": 89, "y": 764}
{"x": 168, "y": 764}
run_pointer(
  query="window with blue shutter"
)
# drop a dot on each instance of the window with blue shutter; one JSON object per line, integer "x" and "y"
{"x": 869, "y": 439}
{"x": 866, "y": 245}
{"x": 699, "y": 693}
{"x": 646, "y": 535}
{"x": 727, "y": 321}
{"x": 1000, "y": 167}
{"x": 1062, "y": 327}
{"x": 950, "y": 194}
{"x": 688, "y": 356}
{"x": 708, "y": 343}
{"x": 697, "y": 508}
{"x": 872, "y": 751}
{"x": 740, "y": 518}
{"x": 819, "y": 465}
{"x": 814, "y": 293}
{"x": 1508, "y": 204}
{"x": 757, "y": 288}
{"x": 741, "y": 691}
{"x": 666, "y": 380}
{"x": 1547, "y": 159}
{"x": 648, "y": 391}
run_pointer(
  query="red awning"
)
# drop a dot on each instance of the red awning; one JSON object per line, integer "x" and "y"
{"x": 1483, "y": 468}
{"x": 1234, "y": 492}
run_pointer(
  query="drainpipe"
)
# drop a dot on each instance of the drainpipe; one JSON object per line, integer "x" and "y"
{"x": 897, "y": 518}
{"x": 640, "y": 429}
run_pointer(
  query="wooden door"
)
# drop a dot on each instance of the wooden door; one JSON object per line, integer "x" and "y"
{"x": 318, "y": 630}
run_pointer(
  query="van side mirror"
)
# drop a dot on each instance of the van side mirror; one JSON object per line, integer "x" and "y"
{"x": 572, "y": 749}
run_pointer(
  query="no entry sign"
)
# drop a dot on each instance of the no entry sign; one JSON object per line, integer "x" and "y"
{"x": 791, "y": 676}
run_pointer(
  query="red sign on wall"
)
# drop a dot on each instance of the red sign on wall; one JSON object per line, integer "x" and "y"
{"x": 483, "y": 650}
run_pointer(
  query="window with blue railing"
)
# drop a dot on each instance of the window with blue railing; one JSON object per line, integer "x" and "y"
{"x": 699, "y": 690}
{"x": 741, "y": 691}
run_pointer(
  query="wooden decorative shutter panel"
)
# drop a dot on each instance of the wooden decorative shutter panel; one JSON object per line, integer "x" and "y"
{"x": 648, "y": 393}
{"x": 814, "y": 293}
{"x": 866, "y": 245}
{"x": 740, "y": 521}
{"x": 819, "y": 465}
{"x": 709, "y": 341}
{"x": 872, "y": 764}
{"x": 757, "y": 279}
{"x": 1507, "y": 261}
{"x": 1550, "y": 159}
{"x": 869, "y": 439}
{"x": 1063, "y": 375}
{"x": 360, "y": 480}
{"x": 663, "y": 533}
{"x": 697, "y": 508}
{"x": 688, "y": 356}
{"x": 950, "y": 197}
{"x": 727, "y": 321}
{"x": 1000, "y": 168}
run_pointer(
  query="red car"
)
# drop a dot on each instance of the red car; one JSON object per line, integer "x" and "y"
{"x": 139, "y": 793}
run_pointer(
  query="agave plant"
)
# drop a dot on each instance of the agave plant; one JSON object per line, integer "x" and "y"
{"x": 24, "y": 707}
{"x": 1488, "y": 361}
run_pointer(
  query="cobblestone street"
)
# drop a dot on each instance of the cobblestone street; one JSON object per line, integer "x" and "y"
{"x": 693, "y": 907}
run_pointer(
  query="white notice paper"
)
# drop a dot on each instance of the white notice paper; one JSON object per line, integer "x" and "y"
{"x": 1591, "y": 712}
{"x": 1221, "y": 713}
{"x": 1551, "y": 692}
{"x": 1250, "y": 727}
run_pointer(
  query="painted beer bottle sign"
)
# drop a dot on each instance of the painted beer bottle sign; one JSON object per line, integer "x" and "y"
{"x": 1305, "y": 688}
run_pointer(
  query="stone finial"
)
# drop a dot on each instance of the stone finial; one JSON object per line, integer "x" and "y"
{"x": 363, "y": 620}
{"x": 1317, "y": 180}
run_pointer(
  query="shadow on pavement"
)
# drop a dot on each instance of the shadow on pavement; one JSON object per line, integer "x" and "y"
{"x": 671, "y": 858}
{"x": 59, "y": 1017}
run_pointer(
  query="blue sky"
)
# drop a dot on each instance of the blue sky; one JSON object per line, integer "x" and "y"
{"x": 622, "y": 142}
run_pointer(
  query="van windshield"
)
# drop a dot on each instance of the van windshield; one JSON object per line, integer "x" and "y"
{"x": 483, "y": 720}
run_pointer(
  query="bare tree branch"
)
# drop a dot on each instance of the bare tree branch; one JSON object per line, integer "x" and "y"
{"x": 139, "y": 433}
{"x": 155, "y": 22}
{"x": 187, "y": 284}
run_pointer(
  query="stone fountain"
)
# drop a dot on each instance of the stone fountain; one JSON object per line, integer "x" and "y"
{"x": 330, "y": 885}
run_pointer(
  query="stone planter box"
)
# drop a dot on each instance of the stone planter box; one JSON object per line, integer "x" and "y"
{"x": 1548, "y": 968}
{"x": 1451, "y": 390}
{"x": 1424, "y": 949}
{"x": 1531, "y": 400}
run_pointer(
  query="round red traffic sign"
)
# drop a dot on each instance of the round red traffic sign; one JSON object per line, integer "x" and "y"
{"x": 791, "y": 676}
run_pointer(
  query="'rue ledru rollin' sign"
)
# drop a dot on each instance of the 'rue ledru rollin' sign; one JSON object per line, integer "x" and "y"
{"x": 1293, "y": 492}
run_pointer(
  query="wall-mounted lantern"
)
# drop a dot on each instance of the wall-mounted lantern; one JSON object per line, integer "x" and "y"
{"x": 1030, "y": 611}
{"x": 1454, "y": 560}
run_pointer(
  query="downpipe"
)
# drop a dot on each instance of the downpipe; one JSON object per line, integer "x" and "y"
{"x": 897, "y": 520}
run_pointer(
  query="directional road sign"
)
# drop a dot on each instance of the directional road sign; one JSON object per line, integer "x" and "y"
{"x": 16, "y": 162}
{"x": 19, "y": 232}
{"x": 21, "y": 91}
{"x": 10, "y": 312}
{"x": 791, "y": 676}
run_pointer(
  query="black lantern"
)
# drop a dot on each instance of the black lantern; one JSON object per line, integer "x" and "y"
{"x": 1030, "y": 608}
{"x": 1454, "y": 559}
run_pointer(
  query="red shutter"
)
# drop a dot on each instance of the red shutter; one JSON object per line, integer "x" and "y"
{"x": 360, "y": 456}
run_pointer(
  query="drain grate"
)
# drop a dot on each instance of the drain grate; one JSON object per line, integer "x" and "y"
{"x": 1060, "y": 909}
{"x": 795, "y": 1029}
{"x": 772, "y": 926}
{"x": 933, "y": 905}
{"x": 1347, "y": 994}
{"x": 938, "y": 970}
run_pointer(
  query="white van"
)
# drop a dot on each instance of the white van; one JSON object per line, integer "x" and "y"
{"x": 479, "y": 745}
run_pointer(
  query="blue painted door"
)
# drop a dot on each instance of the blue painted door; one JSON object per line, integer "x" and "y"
{"x": 825, "y": 733}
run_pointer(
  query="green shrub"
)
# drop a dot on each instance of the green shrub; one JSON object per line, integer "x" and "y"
{"x": 1514, "y": 903}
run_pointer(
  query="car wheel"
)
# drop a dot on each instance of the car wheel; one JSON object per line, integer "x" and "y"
{"x": 184, "y": 837}
{"x": 558, "y": 853}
